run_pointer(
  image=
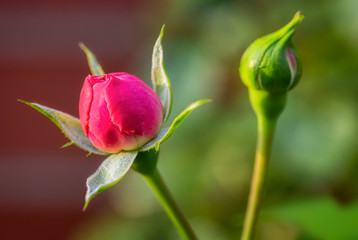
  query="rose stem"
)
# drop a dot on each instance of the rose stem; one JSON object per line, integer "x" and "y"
{"x": 156, "y": 183}
{"x": 266, "y": 129}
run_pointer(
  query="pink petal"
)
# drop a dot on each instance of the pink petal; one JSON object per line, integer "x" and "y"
{"x": 133, "y": 106}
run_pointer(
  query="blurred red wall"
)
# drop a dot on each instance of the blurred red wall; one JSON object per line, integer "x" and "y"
{"x": 43, "y": 186}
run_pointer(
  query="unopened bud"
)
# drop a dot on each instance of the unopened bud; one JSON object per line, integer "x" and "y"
{"x": 271, "y": 63}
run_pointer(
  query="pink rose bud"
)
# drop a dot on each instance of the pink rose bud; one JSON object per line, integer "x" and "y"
{"x": 119, "y": 112}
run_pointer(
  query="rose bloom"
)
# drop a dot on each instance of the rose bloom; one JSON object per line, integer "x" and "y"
{"x": 119, "y": 111}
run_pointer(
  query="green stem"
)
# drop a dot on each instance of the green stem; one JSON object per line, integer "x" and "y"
{"x": 268, "y": 107}
{"x": 162, "y": 193}
{"x": 262, "y": 160}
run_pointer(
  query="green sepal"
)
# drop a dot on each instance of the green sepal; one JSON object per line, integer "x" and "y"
{"x": 69, "y": 125}
{"x": 110, "y": 172}
{"x": 157, "y": 139}
{"x": 165, "y": 133}
{"x": 95, "y": 67}
{"x": 160, "y": 80}
{"x": 264, "y": 64}
{"x": 67, "y": 144}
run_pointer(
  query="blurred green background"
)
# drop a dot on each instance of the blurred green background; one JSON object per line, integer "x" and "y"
{"x": 312, "y": 190}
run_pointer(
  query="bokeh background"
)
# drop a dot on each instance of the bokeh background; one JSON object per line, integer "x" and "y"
{"x": 312, "y": 189}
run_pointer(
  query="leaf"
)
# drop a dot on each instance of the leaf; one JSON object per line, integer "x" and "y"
{"x": 93, "y": 64}
{"x": 165, "y": 133}
{"x": 320, "y": 216}
{"x": 69, "y": 125}
{"x": 110, "y": 172}
{"x": 160, "y": 80}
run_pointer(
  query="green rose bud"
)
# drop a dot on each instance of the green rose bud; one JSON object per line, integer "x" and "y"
{"x": 271, "y": 63}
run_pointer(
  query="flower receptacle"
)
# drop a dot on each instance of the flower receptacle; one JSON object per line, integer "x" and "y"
{"x": 267, "y": 105}
{"x": 146, "y": 162}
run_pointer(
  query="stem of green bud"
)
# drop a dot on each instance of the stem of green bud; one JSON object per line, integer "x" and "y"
{"x": 268, "y": 107}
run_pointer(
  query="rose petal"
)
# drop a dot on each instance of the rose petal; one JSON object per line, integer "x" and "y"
{"x": 133, "y": 106}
